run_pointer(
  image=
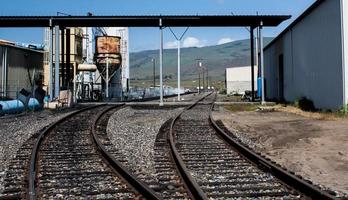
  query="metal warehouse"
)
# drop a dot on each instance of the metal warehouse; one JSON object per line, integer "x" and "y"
{"x": 20, "y": 68}
{"x": 308, "y": 59}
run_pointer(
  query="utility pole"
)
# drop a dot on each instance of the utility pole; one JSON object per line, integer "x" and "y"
{"x": 203, "y": 79}
{"x": 178, "y": 40}
{"x": 207, "y": 79}
{"x": 199, "y": 65}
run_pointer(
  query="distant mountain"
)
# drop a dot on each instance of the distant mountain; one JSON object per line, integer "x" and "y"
{"x": 215, "y": 58}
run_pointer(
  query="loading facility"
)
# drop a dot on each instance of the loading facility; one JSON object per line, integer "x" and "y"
{"x": 58, "y": 23}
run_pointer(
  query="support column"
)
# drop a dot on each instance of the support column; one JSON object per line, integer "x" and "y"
{"x": 107, "y": 79}
{"x": 50, "y": 80}
{"x": 56, "y": 70}
{"x": 179, "y": 99}
{"x": 67, "y": 65}
{"x": 154, "y": 72}
{"x": 252, "y": 63}
{"x": 62, "y": 41}
{"x": 4, "y": 72}
{"x": 262, "y": 65}
{"x": 161, "y": 62}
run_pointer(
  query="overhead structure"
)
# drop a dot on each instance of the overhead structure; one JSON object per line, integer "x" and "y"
{"x": 252, "y": 21}
{"x": 144, "y": 21}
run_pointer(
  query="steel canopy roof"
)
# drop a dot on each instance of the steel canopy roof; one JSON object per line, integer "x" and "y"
{"x": 144, "y": 21}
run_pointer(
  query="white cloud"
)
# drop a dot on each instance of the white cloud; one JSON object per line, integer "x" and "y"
{"x": 193, "y": 42}
{"x": 171, "y": 45}
{"x": 224, "y": 40}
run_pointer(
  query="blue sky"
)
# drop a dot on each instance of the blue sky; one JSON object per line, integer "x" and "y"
{"x": 148, "y": 38}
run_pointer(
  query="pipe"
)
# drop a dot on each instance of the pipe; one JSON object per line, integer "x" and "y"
{"x": 33, "y": 104}
{"x": 11, "y": 107}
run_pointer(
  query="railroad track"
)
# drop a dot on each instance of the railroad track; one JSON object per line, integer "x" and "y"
{"x": 68, "y": 161}
{"x": 194, "y": 159}
{"x": 214, "y": 166}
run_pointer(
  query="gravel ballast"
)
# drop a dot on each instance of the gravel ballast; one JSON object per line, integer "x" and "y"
{"x": 16, "y": 130}
{"x": 133, "y": 132}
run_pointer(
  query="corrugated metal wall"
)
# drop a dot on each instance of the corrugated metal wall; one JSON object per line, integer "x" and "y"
{"x": 21, "y": 64}
{"x": 344, "y": 17}
{"x": 312, "y": 59}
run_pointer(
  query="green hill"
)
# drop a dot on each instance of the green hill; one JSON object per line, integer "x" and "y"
{"x": 215, "y": 58}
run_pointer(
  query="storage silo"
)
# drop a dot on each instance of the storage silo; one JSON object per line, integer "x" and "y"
{"x": 108, "y": 60}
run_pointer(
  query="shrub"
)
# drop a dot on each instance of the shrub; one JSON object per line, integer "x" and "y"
{"x": 344, "y": 110}
{"x": 223, "y": 91}
{"x": 305, "y": 104}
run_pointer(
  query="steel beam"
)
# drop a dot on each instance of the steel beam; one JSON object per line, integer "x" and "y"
{"x": 143, "y": 21}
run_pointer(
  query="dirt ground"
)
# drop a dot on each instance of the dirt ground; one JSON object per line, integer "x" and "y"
{"x": 315, "y": 149}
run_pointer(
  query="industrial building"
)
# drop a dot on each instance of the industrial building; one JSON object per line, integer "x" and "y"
{"x": 85, "y": 75}
{"x": 71, "y": 54}
{"x": 238, "y": 79}
{"x": 20, "y": 68}
{"x": 309, "y": 58}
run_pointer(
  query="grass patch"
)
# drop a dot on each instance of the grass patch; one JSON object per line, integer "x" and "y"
{"x": 318, "y": 114}
{"x": 242, "y": 107}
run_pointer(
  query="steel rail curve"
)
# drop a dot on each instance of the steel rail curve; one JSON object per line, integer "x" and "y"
{"x": 32, "y": 165}
{"x": 193, "y": 187}
{"x": 292, "y": 180}
{"x": 138, "y": 185}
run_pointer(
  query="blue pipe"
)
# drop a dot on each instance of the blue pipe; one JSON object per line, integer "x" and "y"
{"x": 34, "y": 104}
{"x": 11, "y": 107}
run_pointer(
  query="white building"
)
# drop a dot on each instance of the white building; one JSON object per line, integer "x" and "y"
{"x": 309, "y": 58}
{"x": 238, "y": 79}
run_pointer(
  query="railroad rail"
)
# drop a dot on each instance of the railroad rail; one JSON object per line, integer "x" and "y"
{"x": 215, "y": 165}
{"x": 68, "y": 161}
